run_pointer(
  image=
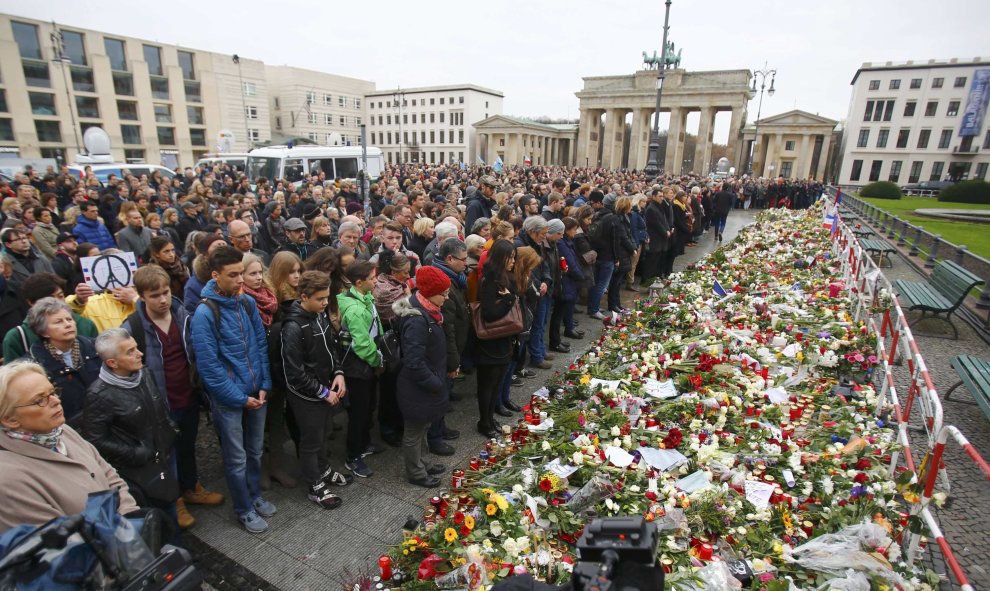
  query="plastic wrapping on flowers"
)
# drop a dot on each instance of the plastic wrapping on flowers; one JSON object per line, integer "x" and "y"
{"x": 713, "y": 416}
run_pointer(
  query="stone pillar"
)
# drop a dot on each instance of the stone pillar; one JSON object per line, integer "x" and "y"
{"x": 553, "y": 151}
{"x": 804, "y": 162}
{"x": 638, "y": 149}
{"x": 589, "y": 137}
{"x": 823, "y": 157}
{"x": 613, "y": 121}
{"x": 703, "y": 150}
{"x": 512, "y": 142}
{"x": 675, "y": 141}
{"x": 735, "y": 142}
{"x": 546, "y": 149}
{"x": 772, "y": 152}
{"x": 492, "y": 148}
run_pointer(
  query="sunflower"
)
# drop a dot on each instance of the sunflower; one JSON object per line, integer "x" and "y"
{"x": 490, "y": 509}
{"x": 450, "y": 535}
{"x": 469, "y": 521}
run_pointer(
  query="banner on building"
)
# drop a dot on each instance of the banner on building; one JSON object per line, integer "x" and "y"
{"x": 976, "y": 104}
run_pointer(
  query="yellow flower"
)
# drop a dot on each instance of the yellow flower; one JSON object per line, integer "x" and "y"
{"x": 501, "y": 502}
{"x": 491, "y": 509}
{"x": 450, "y": 535}
{"x": 585, "y": 379}
{"x": 488, "y": 491}
{"x": 469, "y": 522}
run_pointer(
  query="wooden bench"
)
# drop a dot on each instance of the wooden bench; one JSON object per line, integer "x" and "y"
{"x": 862, "y": 232}
{"x": 878, "y": 247}
{"x": 974, "y": 373}
{"x": 943, "y": 292}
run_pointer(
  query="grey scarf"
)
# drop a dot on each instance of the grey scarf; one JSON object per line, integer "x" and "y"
{"x": 129, "y": 383}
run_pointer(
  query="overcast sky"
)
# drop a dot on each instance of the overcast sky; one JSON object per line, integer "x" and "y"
{"x": 537, "y": 51}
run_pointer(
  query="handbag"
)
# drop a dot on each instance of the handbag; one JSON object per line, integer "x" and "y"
{"x": 509, "y": 325}
{"x": 590, "y": 257}
{"x": 154, "y": 480}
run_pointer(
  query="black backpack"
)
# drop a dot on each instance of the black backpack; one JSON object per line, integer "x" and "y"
{"x": 596, "y": 231}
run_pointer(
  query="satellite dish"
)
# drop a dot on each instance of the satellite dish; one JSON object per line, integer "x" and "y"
{"x": 97, "y": 144}
{"x": 225, "y": 141}
{"x": 335, "y": 139}
{"x": 723, "y": 165}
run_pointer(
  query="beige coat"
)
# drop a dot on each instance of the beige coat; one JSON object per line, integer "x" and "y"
{"x": 39, "y": 484}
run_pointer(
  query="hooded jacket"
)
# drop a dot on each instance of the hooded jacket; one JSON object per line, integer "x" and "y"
{"x": 422, "y": 381}
{"x": 232, "y": 362}
{"x": 309, "y": 353}
{"x": 87, "y": 230}
{"x": 359, "y": 317}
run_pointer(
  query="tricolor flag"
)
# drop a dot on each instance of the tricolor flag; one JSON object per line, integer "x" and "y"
{"x": 838, "y": 197}
{"x": 718, "y": 289}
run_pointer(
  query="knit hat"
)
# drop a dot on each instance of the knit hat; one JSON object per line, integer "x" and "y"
{"x": 204, "y": 243}
{"x": 610, "y": 200}
{"x": 431, "y": 281}
{"x": 555, "y": 226}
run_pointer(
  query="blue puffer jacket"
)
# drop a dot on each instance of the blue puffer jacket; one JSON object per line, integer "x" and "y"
{"x": 233, "y": 363}
{"x": 94, "y": 232}
{"x": 191, "y": 294}
{"x": 573, "y": 279}
{"x": 638, "y": 224}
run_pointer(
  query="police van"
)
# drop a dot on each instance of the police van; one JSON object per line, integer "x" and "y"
{"x": 290, "y": 163}
{"x": 237, "y": 162}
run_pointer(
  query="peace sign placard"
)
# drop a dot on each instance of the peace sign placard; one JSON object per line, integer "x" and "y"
{"x": 108, "y": 271}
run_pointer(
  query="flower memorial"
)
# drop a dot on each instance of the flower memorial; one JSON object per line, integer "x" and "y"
{"x": 714, "y": 413}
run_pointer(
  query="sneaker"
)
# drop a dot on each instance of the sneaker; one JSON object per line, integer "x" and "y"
{"x": 320, "y": 494}
{"x": 442, "y": 449}
{"x": 358, "y": 468}
{"x": 253, "y": 522}
{"x": 183, "y": 517}
{"x": 517, "y": 381}
{"x": 436, "y": 469}
{"x": 371, "y": 450}
{"x": 542, "y": 365}
{"x": 201, "y": 496}
{"x": 331, "y": 476}
{"x": 264, "y": 508}
{"x": 526, "y": 373}
{"x": 597, "y": 316}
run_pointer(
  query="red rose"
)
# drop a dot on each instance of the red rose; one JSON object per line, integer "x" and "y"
{"x": 861, "y": 478}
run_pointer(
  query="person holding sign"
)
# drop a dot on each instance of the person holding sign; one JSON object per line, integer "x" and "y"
{"x": 110, "y": 308}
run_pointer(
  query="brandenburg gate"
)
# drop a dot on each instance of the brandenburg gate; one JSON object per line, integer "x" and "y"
{"x": 683, "y": 92}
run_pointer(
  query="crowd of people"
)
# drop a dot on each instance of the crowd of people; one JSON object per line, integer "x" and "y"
{"x": 276, "y": 306}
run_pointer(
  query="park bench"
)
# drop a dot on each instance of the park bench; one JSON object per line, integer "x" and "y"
{"x": 974, "y": 373}
{"x": 942, "y": 293}
{"x": 879, "y": 247}
{"x": 862, "y": 232}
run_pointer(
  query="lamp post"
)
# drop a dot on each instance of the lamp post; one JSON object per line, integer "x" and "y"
{"x": 652, "y": 164}
{"x": 240, "y": 77}
{"x": 399, "y": 99}
{"x": 759, "y": 109}
{"x": 58, "y": 46}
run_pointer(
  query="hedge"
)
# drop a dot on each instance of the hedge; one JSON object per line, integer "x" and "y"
{"x": 881, "y": 190}
{"x": 974, "y": 191}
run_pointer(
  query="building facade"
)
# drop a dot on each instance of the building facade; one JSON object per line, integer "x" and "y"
{"x": 159, "y": 103}
{"x": 325, "y": 108}
{"x": 794, "y": 145}
{"x": 433, "y": 125}
{"x": 524, "y": 142}
{"x": 917, "y": 121}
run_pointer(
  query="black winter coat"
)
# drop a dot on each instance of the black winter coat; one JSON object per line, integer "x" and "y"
{"x": 422, "y": 381}
{"x": 71, "y": 382}
{"x": 309, "y": 353}
{"x": 494, "y": 307}
{"x": 658, "y": 223}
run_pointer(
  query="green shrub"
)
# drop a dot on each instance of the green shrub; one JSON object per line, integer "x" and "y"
{"x": 881, "y": 190}
{"x": 974, "y": 191}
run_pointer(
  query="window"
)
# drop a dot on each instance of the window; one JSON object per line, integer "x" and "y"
{"x": 357, "y": 103}
{"x": 159, "y": 88}
{"x": 960, "y": 82}
{"x": 48, "y": 131}
{"x": 460, "y": 137}
{"x": 153, "y": 56}
{"x": 73, "y": 47}
{"x": 389, "y": 138}
{"x": 981, "y": 170}
{"x": 312, "y": 118}
{"x": 6, "y": 130}
{"x": 26, "y": 37}
{"x": 450, "y": 133}
{"x": 36, "y": 74}
{"x": 388, "y": 119}
{"x": 357, "y": 121}
{"x": 193, "y": 94}
{"x": 116, "y": 54}
{"x": 441, "y": 137}
{"x": 405, "y": 118}
{"x": 251, "y": 89}
{"x": 134, "y": 155}
{"x": 431, "y": 101}
{"x": 902, "y": 137}
{"x": 197, "y": 137}
{"x": 254, "y": 135}
{"x": 882, "y": 138}
{"x": 186, "y": 61}
{"x": 163, "y": 113}
{"x": 432, "y": 117}
{"x": 875, "y": 170}
{"x": 82, "y": 79}
{"x": 931, "y": 108}
{"x": 441, "y": 115}
{"x": 937, "y": 82}
{"x": 857, "y": 170}
{"x": 422, "y": 137}
{"x": 864, "y": 138}
{"x": 937, "y": 168}
{"x": 895, "y": 171}
{"x": 923, "y": 139}
{"x": 310, "y": 97}
{"x": 328, "y": 119}
{"x": 88, "y": 106}
{"x": 251, "y": 112}
{"x": 460, "y": 100}
{"x": 3, "y": 101}
{"x": 414, "y": 118}
{"x": 874, "y": 85}
{"x": 278, "y": 123}
{"x": 915, "y": 83}
{"x": 343, "y": 120}
{"x": 166, "y": 136}
{"x": 953, "y": 109}
{"x": 986, "y": 141}
{"x": 889, "y": 111}
{"x": 195, "y": 115}
{"x": 909, "y": 108}
{"x": 944, "y": 139}
{"x": 328, "y": 100}
{"x": 789, "y": 144}
{"x": 42, "y": 103}
{"x": 915, "y": 175}
{"x": 342, "y": 101}
{"x": 433, "y": 137}
{"x": 895, "y": 85}
{"x": 123, "y": 84}
{"x": 314, "y": 136}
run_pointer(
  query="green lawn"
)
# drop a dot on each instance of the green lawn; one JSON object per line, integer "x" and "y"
{"x": 976, "y": 237}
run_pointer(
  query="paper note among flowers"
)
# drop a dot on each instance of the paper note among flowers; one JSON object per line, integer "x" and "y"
{"x": 694, "y": 482}
{"x": 759, "y": 493}
{"x": 662, "y": 459}
{"x": 612, "y": 384}
{"x": 662, "y": 390}
{"x": 618, "y": 457}
{"x": 559, "y": 469}
{"x": 776, "y": 395}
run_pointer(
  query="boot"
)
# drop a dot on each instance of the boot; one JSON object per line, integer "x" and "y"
{"x": 277, "y": 471}
{"x": 265, "y": 481}
{"x": 201, "y": 496}
{"x": 185, "y": 519}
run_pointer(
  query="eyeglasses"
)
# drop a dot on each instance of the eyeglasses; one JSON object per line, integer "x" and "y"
{"x": 45, "y": 399}
{"x": 240, "y": 236}
{"x": 461, "y": 259}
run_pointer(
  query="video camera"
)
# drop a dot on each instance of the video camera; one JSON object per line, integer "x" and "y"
{"x": 614, "y": 554}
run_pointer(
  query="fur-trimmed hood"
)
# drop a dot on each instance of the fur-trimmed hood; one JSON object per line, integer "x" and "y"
{"x": 404, "y": 308}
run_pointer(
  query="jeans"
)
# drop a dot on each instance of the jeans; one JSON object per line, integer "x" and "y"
{"x": 187, "y": 420}
{"x": 603, "y": 274}
{"x": 315, "y": 420}
{"x": 414, "y": 449}
{"x": 505, "y": 386}
{"x": 242, "y": 440}
{"x": 537, "y": 346}
{"x": 719, "y": 222}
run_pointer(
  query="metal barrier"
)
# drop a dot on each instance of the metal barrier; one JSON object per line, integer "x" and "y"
{"x": 865, "y": 283}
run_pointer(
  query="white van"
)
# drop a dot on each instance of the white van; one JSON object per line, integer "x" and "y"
{"x": 290, "y": 163}
{"x": 237, "y": 161}
{"x": 103, "y": 171}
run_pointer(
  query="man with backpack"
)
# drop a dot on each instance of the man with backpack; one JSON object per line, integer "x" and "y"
{"x": 602, "y": 234}
{"x": 232, "y": 359}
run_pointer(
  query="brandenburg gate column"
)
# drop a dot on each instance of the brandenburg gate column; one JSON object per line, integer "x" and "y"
{"x": 588, "y": 137}
{"x": 613, "y": 125}
{"x": 735, "y": 142}
{"x": 675, "y": 143}
{"x": 638, "y": 140}
{"x": 703, "y": 149}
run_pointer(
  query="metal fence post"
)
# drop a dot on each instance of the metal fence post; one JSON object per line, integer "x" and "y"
{"x": 917, "y": 241}
{"x": 930, "y": 262}
{"x": 960, "y": 253}
{"x": 904, "y": 229}
{"x": 892, "y": 232}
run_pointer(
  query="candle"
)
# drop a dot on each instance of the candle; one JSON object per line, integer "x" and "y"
{"x": 385, "y": 564}
{"x": 705, "y": 551}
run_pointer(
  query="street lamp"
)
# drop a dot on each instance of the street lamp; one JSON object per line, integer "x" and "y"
{"x": 399, "y": 99}
{"x": 652, "y": 165}
{"x": 240, "y": 77}
{"x": 759, "y": 109}
{"x": 58, "y": 45}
